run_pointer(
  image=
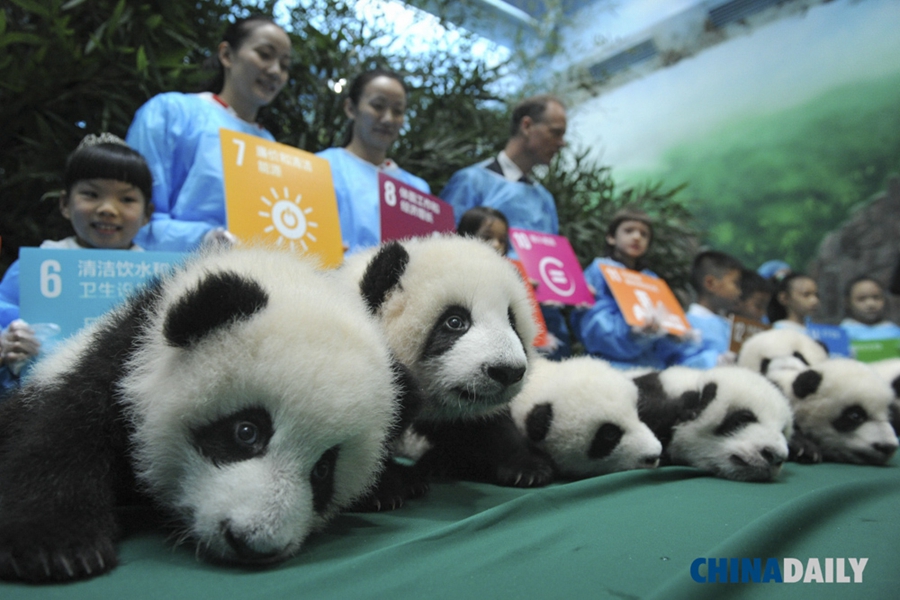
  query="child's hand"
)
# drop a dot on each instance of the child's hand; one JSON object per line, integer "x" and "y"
{"x": 18, "y": 344}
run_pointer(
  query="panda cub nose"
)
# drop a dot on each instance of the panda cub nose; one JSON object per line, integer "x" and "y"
{"x": 886, "y": 449}
{"x": 773, "y": 458}
{"x": 505, "y": 375}
{"x": 242, "y": 548}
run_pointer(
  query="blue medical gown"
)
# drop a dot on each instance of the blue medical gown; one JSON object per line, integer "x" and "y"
{"x": 603, "y": 330}
{"x": 178, "y": 134}
{"x": 9, "y": 295}
{"x": 358, "y": 197}
{"x": 526, "y": 205}
{"x": 860, "y": 332}
{"x": 714, "y": 333}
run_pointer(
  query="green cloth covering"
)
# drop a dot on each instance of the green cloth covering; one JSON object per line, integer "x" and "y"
{"x": 625, "y": 535}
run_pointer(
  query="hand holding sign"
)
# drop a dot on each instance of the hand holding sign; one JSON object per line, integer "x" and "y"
{"x": 645, "y": 300}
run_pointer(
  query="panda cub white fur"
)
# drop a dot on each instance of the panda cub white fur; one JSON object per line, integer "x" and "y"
{"x": 758, "y": 352}
{"x": 583, "y": 413}
{"x": 457, "y": 315}
{"x": 889, "y": 369}
{"x": 841, "y": 412}
{"x": 728, "y": 421}
{"x": 247, "y": 395}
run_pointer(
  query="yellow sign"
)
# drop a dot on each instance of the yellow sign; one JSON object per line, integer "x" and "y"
{"x": 281, "y": 196}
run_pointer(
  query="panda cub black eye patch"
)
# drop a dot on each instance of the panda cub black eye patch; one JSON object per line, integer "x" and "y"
{"x": 239, "y": 436}
{"x": 735, "y": 421}
{"x": 851, "y": 418}
{"x": 452, "y": 324}
{"x": 321, "y": 478}
{"x": 605, "y": 441}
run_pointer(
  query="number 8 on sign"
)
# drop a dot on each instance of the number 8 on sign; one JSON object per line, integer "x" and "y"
{"x": 390, "y": 193}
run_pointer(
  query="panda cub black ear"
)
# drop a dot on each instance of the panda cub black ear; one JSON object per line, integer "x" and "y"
{"x": 806, "y": 383}
{"x": 694, "y": 403}
{"x": 537, "y": 424}
{"x": 383, "y": 274}
{"x": 218, "y": 300}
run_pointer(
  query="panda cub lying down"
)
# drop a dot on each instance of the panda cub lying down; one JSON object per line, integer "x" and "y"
{"x": 248, "y": 395}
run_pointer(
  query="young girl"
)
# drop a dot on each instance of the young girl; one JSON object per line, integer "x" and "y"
{"x": 488, "y": 224}
{"x": 795, "y": 300}
{"x": 106, "y": 197}
{"x": 179, "y": 135}
{"x": 865, "y": 305}
{"x": 602, "y": 328}
{"x": 376, "y": 107}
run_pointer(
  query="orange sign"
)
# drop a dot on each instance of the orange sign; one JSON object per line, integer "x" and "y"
{"x": 641, "y": 297}
{"x": 540, "y": 340}
{"x": 280, "y": 195}
{"x": 741, "y": 329}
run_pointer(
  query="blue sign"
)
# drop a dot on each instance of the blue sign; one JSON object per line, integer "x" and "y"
{"x": 61, "y": 291}
{"x": 834, "y": 337}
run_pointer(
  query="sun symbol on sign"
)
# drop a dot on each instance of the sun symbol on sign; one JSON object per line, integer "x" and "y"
{"x": 289, "y": 220}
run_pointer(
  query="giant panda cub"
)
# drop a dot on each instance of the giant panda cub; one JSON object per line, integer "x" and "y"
{"x": 457, "y": 315}
{"x": 728, "y": 421}
{"x": 758, "y": 352}
{"x": 841, "y": 412}
{"x": 583, "y": 413}
{"x": 247, "y": 395}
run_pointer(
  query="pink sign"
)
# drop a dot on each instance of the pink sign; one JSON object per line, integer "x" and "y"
{"x": 407, "y": 211}
{"x": 550, "y": 260}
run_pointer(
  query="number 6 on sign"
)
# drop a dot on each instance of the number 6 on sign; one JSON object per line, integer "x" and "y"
{"x": 51, "y": 282}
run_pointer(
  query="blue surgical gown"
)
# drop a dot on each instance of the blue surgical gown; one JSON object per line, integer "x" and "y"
{"x": 525, "y": 205}
{"x": 178, "y": 134}
{"x": 714, "y": 338}
{"x": 358, "y": 197}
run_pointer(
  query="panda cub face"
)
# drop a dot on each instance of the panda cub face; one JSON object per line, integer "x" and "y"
{"x": 843, "y": 406}
{"x": 262, "y": 398}
{"x": 727, "y": 421}
{"x": 456, "y": 314}
{"x": 583, "y": 412}
{"x": 757, "y": 352}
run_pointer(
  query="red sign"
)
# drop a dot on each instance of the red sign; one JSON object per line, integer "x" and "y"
{"x": 408, "y": 212}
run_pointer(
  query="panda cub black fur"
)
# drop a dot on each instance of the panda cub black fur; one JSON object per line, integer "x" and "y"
{"x": 457, "y": 315}
{"x": 841, "y": 412}
{"x": 728, "y": 421}
{"x": 247, "y": 395}
{"x": 584, "y": 413}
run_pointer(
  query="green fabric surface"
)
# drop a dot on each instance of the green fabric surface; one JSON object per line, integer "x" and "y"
{"x": 626, "y": 535}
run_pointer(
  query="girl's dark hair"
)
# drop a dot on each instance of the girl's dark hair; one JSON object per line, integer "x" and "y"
{"x": 358, "y": 86}
{"x": 776, "y": 310}
{"x": 473, "y": 219}
{"x": 628, "y": 213}
{"x": 109, "y": 161}
{"x": 235, "y": 35}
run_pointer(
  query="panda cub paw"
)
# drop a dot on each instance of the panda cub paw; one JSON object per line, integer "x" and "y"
{"x": 803, "y": 450}
{"x": 42, "y": 552}
{"x": 532, "y": 470}
{"x": 397, "y": 484}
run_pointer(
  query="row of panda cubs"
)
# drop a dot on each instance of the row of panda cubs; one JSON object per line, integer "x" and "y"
{"x": 252, "y": 397}
{"x": 785, "y": 400}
